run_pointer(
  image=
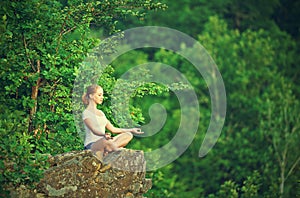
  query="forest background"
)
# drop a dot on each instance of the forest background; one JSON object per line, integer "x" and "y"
{"x": 255, "y": 45}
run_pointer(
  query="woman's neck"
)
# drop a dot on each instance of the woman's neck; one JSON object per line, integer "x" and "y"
{"x": 92, "y": 106}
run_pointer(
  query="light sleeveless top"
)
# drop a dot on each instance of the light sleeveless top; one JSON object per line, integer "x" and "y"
{"x": 100, "y": 123}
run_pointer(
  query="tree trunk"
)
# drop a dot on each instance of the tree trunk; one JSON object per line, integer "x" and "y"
{"x": 282, "y": 169}
{"x": 282, "y": 182}
{"x": 34, "y": 96}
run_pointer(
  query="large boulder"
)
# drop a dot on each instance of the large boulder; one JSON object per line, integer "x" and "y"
{"x": 82, "y": 174}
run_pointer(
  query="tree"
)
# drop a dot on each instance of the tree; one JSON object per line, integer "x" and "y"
{"x": 42, "y": 45}
{"x": 252, "y": 75}
{"x": 249, "y": 69}
{"x": 281, "y": 125}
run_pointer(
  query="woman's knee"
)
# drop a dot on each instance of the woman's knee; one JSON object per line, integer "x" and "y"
{"x": 128, "y": 135}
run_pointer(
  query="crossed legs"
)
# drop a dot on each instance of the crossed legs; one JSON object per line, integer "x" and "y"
{"x": 103, "y": 145}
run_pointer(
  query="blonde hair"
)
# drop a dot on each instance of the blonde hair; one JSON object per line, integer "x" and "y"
{"x": 89, "y": 90}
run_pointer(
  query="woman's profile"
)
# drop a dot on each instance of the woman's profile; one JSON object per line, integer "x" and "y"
{"x": 95, "y": 123}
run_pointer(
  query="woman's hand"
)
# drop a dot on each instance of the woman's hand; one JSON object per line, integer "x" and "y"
{"x": 136, "y": 131}
{"x": 108, "y": 136}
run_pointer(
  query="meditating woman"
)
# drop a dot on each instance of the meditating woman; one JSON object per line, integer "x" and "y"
{"x": 95, "y": 123}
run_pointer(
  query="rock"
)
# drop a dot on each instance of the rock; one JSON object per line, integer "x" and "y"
{"x": 81, "y": 174}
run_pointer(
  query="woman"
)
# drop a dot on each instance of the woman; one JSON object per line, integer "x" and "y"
{"x": 95, "y": 123}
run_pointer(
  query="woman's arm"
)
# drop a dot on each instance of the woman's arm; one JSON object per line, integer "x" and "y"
{"x": 113, "y": 129}
{"x": 90, "y": 124}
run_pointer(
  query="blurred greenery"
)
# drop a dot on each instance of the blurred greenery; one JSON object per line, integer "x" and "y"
{"x": 255, "y": 45}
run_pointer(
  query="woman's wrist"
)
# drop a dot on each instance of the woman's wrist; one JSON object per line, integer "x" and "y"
{"x": 123, "y": 130}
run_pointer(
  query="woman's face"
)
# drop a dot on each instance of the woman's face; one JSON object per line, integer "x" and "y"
{"x": 98, "y": 96}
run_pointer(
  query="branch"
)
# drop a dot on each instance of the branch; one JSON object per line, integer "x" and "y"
{"x": 295, "y": 128}
{"x": 292, "y": 168}
{"x": 61, "y": 33}
{"x": 272, "y": 140}
{"x": 69, "y": 30}
{"x": 53, "y": 89}
{"x": 277, "y": 152}
{"x": 285, "y": 115}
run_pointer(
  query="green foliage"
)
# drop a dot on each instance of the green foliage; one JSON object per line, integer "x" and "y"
{"x": 249, "y": 188}
{"x": 228, "y": 189}
{"x": 162, "y": 183}
{"x": 22, "y": 160}
{"x": 251, "y": 185}
{"x": 36, "y": 56}
{"x": 280, "y": 124}
{"x": 250, "y": 71}
{"x": 43, "y": 45}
